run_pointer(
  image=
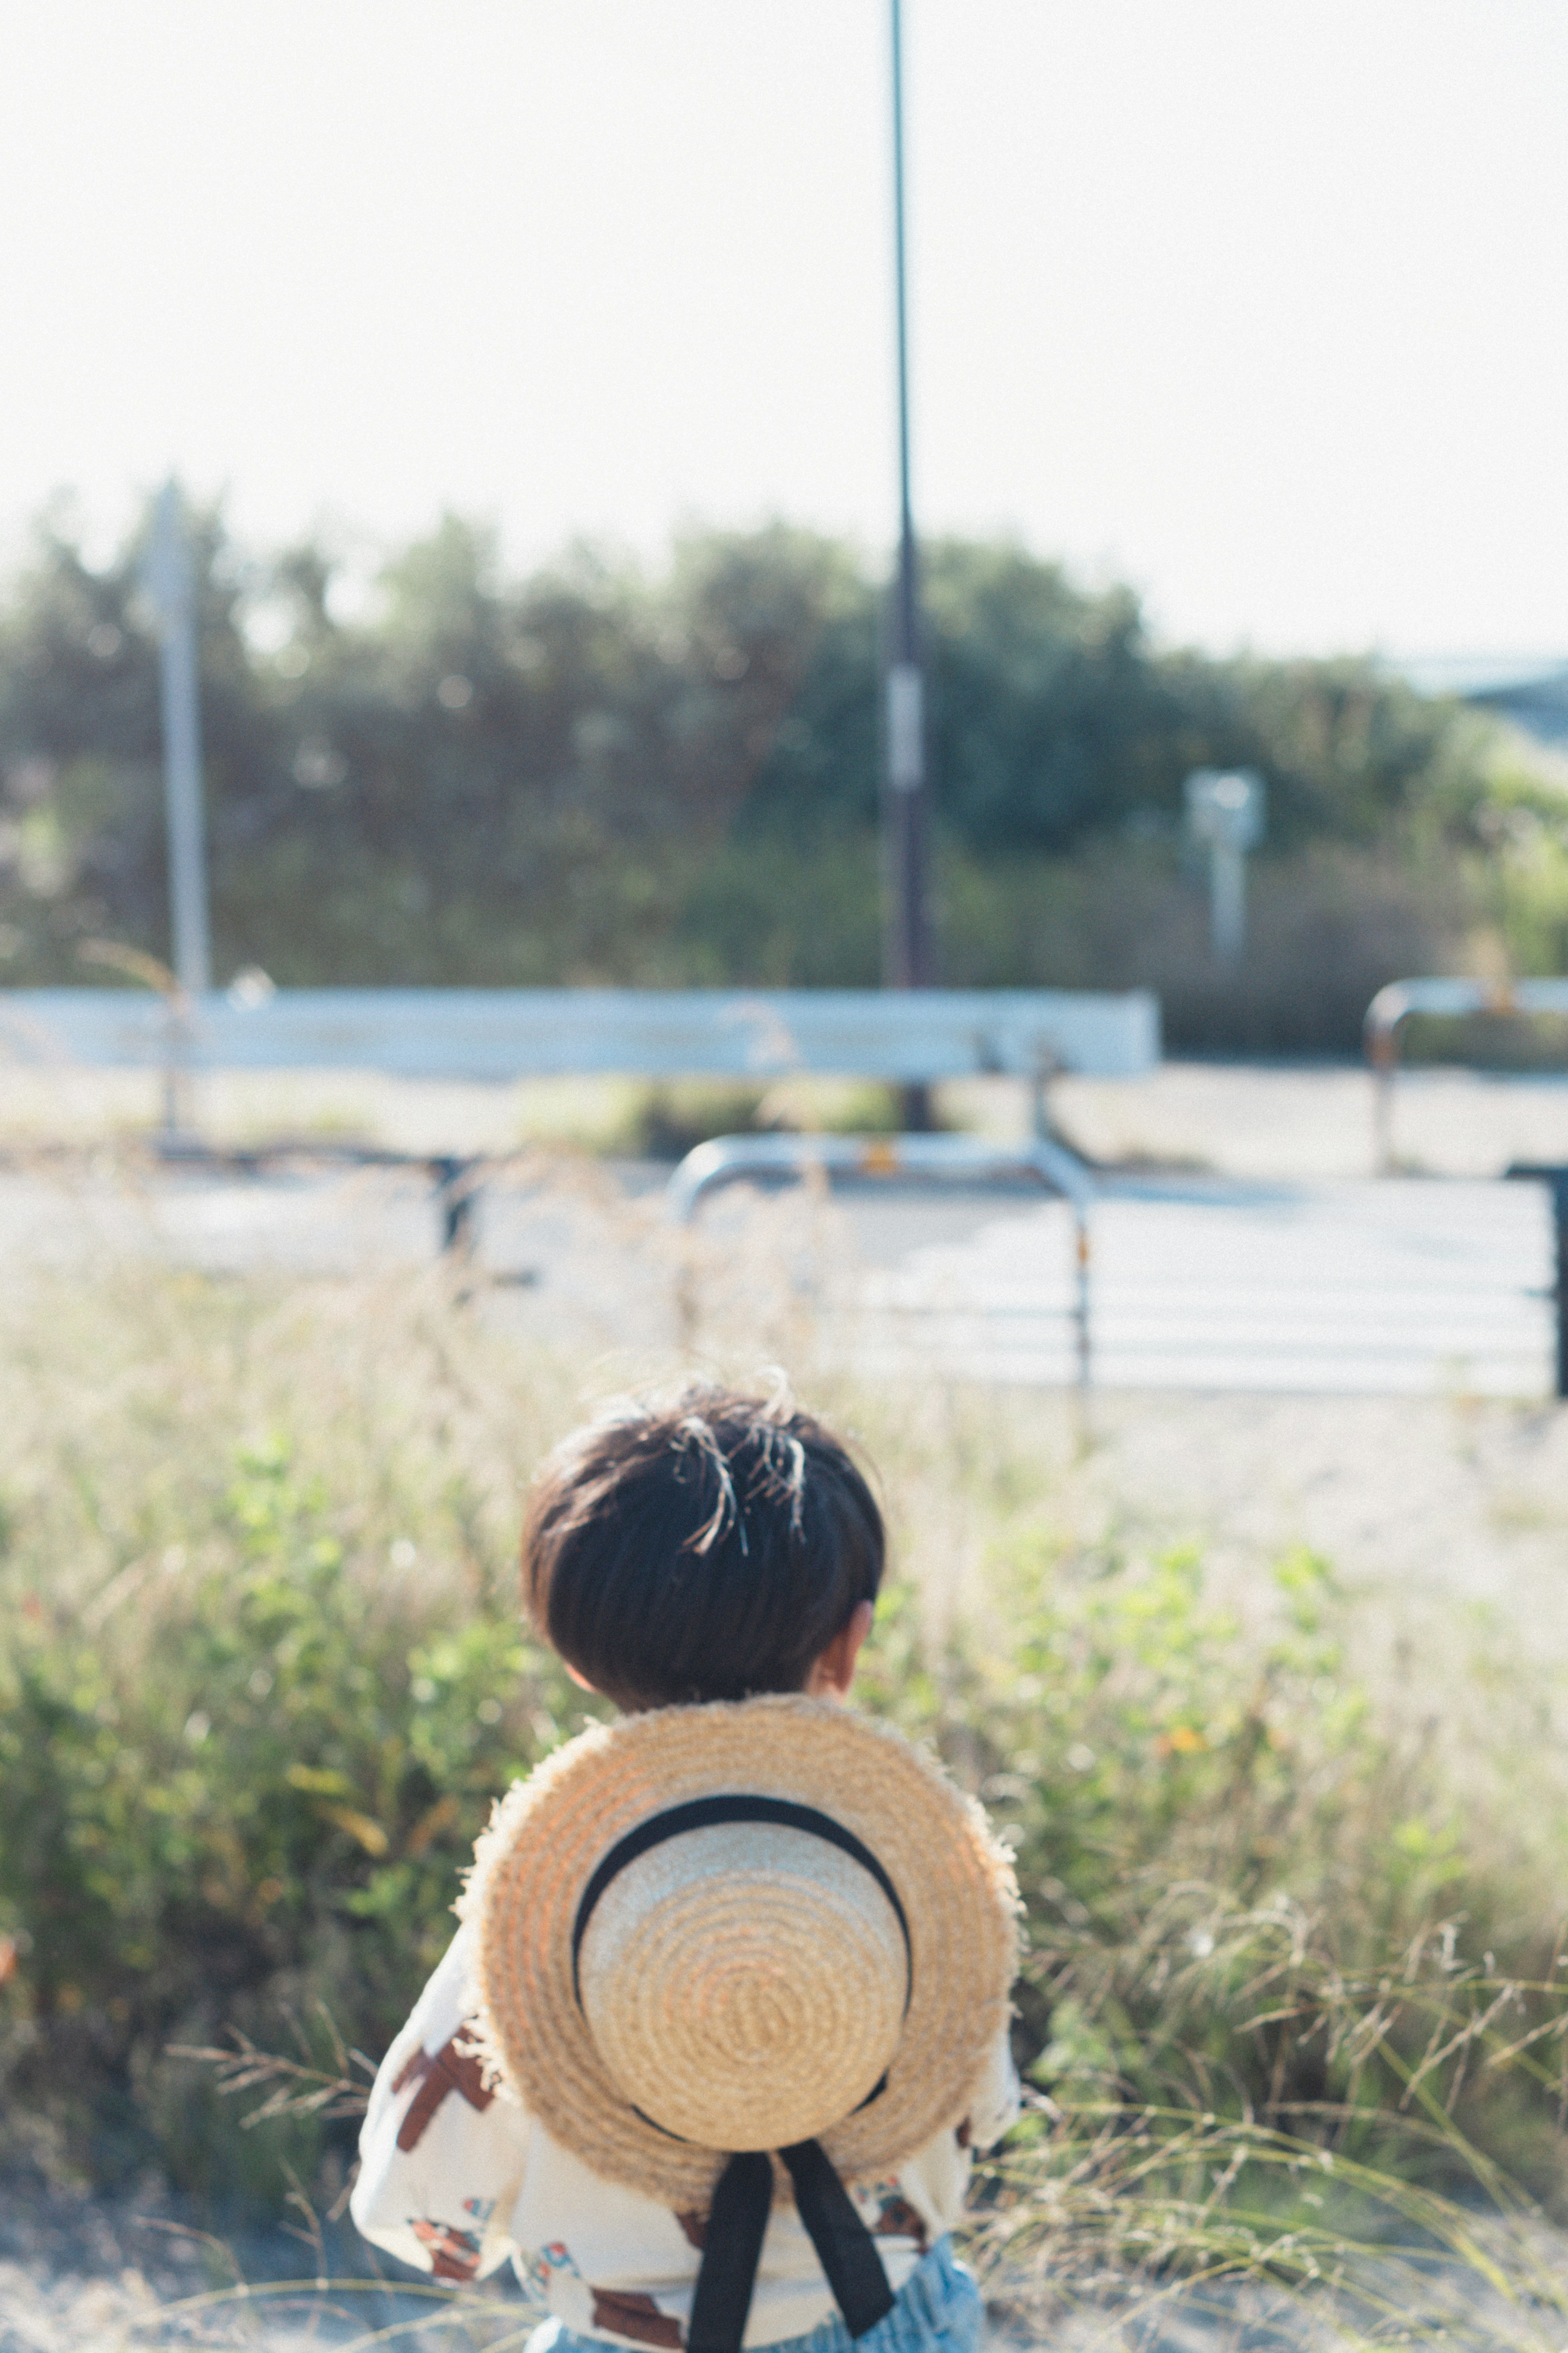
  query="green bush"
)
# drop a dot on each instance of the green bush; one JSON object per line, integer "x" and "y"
{"x": 594, "y": 775}
{"x": 1223, "y": 1845}
{"x": 261, "y": 1674}
{"x": 253, "y": 1800}
{"x": 247, "y": 1741}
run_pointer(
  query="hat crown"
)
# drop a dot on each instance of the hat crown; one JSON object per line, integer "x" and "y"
{"x": 744, "y": 1983}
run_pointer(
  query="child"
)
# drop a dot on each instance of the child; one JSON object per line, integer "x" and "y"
{"x": 728, "y": 2008}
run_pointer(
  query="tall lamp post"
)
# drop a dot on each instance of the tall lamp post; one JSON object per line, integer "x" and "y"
{"x": 907, "y": 958}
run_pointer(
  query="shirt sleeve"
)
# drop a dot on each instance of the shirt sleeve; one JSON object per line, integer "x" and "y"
{"x": 441, "y": 2154}
{"x": 995, "y": 2103}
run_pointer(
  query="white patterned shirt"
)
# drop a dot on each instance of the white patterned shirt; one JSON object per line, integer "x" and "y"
{"x": 456, "y": 2178}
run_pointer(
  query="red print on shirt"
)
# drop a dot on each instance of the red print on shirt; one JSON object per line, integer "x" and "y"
{"x": 898, "y": 2219}
{"x": 637, "y": 2317}
{"x": 451, "y": 2070}
{"x": 454, "y": 2254}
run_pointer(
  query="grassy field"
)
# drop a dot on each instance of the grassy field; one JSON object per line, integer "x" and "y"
{"x": 1295, "y": 1864}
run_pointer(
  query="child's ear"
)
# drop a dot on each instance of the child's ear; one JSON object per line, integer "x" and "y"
{"x": 834, "y": 1671}
{"x": 581, "y": 1681}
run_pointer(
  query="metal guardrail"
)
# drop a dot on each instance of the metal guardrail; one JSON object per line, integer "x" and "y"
{"x": 1198, "y": 1282}
{"x": 1393, "y": 1005}
{"x": 457, "y": 1182}
{"x": 950, "y": 1159}
{"x": 905, "y": 1036}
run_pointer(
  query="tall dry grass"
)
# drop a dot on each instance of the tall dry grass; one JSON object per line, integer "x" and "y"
{"x": 261, "y": 1673}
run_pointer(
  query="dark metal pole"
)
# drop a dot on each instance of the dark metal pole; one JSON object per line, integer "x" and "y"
{"x": 907, "y": 961}
{"x": 906, "y": 641}
{"x": 1554, "y": 1177}
{"x": 1559, "y": 1278}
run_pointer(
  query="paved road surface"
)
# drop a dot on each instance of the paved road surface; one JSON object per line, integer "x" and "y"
{"x": 1388, "y": 1289}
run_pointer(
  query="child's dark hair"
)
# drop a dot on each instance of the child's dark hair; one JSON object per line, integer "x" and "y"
{"x": 702, "y": 1548}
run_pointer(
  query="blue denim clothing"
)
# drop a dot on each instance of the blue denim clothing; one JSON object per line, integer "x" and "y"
{"x": 937, "y": 2310}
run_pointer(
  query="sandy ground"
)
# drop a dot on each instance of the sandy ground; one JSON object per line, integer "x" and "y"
{"x": 119, "y": 2289}
{"x": 1315, "y": 1119}
{"x": 1415, "y": 1500}
{"x": 124, "y": 2273}
{"x": 118, "y": 2301}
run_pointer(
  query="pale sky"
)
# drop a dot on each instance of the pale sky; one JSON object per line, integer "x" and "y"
{"x": 1261, "y": 304}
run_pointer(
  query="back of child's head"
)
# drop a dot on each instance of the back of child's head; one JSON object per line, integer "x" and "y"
{"x": 705, "y": 1547}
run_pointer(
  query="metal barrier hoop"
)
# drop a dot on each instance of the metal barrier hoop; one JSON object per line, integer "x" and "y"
{"x": 730, "y": 1159}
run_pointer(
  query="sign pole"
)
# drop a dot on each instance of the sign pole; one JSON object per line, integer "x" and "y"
{"x": 1225, "y": 812}
{"x": 172, "y": 584}
{"x": 907, "y": 958}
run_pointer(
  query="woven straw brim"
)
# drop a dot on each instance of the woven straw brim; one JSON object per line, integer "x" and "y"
{"x": 549, "y": 1833}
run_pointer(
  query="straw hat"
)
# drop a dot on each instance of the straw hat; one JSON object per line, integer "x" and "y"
{"x": 740, "y": 1926}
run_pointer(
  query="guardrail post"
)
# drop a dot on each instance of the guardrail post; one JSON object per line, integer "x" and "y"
{"x": 1080, "y": 1299}
{"x": 1045, "y": 1071}
{"x": 1383, "y": 1052}
{"x": 1559, "y": 1272}
{"x": 1554, "y": 1177}
{"x": 457, "y": 1196}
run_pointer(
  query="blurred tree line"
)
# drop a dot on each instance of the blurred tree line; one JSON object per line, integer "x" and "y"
{"x": 592, "y": 775}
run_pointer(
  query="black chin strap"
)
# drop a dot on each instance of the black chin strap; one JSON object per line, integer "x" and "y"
{"x": 742, "y": 2201}
{"x": 844, "y": 2246}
